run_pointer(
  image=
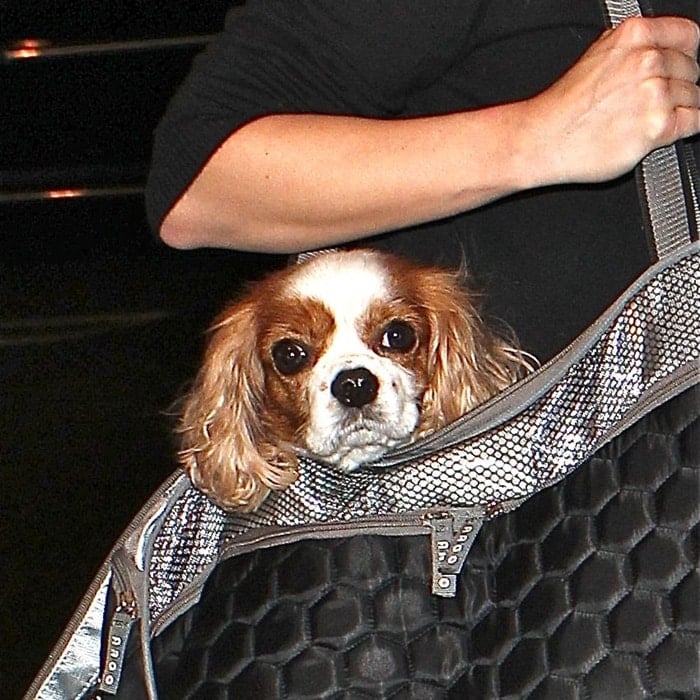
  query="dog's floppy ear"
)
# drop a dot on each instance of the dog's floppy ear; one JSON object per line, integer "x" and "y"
{"x": 224, "y": 449}
{"x": 467, "y": 362}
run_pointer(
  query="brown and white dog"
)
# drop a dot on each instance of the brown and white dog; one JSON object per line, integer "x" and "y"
{"x": 341, "y": 358}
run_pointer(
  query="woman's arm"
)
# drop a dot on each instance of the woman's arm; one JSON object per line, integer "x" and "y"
{"x": 286, "y": 183}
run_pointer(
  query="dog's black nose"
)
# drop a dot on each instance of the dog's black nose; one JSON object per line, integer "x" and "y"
{"x": 355, "y": 387}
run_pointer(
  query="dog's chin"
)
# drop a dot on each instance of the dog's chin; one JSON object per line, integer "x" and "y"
{"x": 354, "y": 446}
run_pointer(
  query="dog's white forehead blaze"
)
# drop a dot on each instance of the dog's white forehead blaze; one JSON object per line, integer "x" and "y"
{"x": 347, "y": 284}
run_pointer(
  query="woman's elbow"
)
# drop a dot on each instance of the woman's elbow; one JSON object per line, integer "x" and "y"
{"x": 175, "y": 231}
{"x": 185, "y": 228}
{"x": 188, "y": 225}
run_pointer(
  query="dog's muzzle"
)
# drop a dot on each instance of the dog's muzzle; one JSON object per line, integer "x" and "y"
{"x": 355, "y": 387}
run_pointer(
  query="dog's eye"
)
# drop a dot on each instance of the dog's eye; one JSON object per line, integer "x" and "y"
{"x": 289, "y": 356}
{"x": 398, "y": 336}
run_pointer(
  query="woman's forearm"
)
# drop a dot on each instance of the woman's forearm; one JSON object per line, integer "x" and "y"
{"x": 286, "y": 183}
{"x": 293, "y": 182}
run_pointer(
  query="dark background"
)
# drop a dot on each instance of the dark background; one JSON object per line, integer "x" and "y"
{"x": 100, "y": 324}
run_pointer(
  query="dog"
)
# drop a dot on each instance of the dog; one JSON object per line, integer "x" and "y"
{"x": 340, "y": 358}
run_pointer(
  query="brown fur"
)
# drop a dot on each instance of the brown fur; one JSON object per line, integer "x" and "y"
{"x": 241, "y": 419}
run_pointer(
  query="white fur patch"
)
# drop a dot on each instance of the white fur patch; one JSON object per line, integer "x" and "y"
{"x": 348, "y": 284}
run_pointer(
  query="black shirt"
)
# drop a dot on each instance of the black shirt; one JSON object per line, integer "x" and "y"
{"x": 549, "y": 260}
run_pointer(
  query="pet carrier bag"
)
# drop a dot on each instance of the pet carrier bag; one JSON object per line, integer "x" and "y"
{"x": 545, "y": 545}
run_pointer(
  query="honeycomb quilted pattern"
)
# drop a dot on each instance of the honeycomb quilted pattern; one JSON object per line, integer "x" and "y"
{"x": 589, "y": 590}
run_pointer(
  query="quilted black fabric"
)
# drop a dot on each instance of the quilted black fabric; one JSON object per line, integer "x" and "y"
{"x": 589, "y": 590}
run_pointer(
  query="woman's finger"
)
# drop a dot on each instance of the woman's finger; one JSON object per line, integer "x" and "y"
{"x": 676, "y": 33}
{"x": 673, "y": 112}
{"x": 666, "y": 63}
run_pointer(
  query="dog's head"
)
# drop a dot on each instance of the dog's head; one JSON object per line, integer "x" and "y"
{"x": 342, "y": 357}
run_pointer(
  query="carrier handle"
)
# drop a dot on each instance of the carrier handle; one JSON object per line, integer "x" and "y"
{"x": 672, "y": 212}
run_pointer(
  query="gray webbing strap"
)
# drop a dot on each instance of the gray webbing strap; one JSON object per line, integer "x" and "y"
{"x": 309, "y": 254}
{"x": 661, "y": 173}
{"x": 620, "y": 10}
{"x": 666, "y": 202}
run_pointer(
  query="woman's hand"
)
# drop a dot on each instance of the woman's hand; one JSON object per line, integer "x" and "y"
{"x": 633, "y": 91}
